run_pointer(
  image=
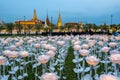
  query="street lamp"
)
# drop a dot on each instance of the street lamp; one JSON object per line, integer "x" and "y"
{"x": 111, "y": 19}
{"x": 24, "y": 25}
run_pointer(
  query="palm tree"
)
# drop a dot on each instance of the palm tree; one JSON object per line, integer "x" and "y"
{"x": 10, "y": 27}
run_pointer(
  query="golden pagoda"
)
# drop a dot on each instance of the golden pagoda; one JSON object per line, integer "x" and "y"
{"x": 34, "y": 15}
{"x": 59, "y": 23}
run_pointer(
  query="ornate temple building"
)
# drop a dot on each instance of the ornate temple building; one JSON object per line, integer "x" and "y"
{"x": 33, "y": 21}
{"x": 59, "y": 23}
{"x": 47, "y": 20}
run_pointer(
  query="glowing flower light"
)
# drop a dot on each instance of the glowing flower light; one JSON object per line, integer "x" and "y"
{"x": 92, "y": 60}
{"x": 18, "y": 44}
{"x": 76, "y": 47}
{"x": 60, "y": 43}
{"x": 2, "y": 60}
{"x": 105, "y": 49}
{"x": 36, "y": 45}
{"x": 49, "y": 76}
{"x": 24, "y": 54}
{"x": 6, "y": 52}
{"x": 5, "y": 42}
{"x": 43, "y": 59}
{"x": 112, "y": 44}
{"x": 13, "y": 54}
{"x": 108, "y": 77}
{"x": 47, "y": 46}
{"x": 84, "y": 52}
{"x": 115, "y": 58}
{"x": 85, "y": 46}
{"x": 50, "y": 53}
{"x": 12, "y": 47}
{"x": 53, "y": 48}
{"x": 100, "y": 43}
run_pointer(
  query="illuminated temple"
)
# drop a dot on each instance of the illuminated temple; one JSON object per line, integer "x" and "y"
{"x": 33, "y": 21}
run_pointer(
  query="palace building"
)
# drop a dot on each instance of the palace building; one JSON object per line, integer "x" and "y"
{"x": 33, "y": 21}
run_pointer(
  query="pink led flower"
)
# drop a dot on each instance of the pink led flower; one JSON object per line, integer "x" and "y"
{"x": 6, "y": 52}
{"x": 60, "y": 43}
{"x": 50, "y": 53}
{"x": 2, "y": 60}
{"x": 76, "y": 42}
{"x": 36, "y": 45}
{"x": 12, "y": 47}
{"x": 18, "y": 44}
{"x": 92, "y": 60}
{"x": 49, "y": 76}
{"x": 47, "y": 46}
{"x": 53, "y": 48}
{"x": 100, "y": 43}
{"x": 105, "y": 49}
{"x": 43, "y": 59}
{"x": 112, "y": 44}
{"x": 76, "y": 47}
{"x": 13, "y": 54}
{"x": 84, "y": 52}
{"x": 85, "y": 46}
{"x": 5, "y": 42}
{"x": 30, "y": 41}
{"x": 108, "y": 77}
{"x": 24, "y": 54}
{"x": 115, "y": 58}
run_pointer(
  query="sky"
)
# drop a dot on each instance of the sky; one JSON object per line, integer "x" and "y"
{"x": 87, "y": 11}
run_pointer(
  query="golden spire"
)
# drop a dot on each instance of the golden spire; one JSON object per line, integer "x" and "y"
{"x": 59, "y": 23}
{"x": 34, "y": 15}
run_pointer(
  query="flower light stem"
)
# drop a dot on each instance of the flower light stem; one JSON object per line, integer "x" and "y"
{"x": 91, "y": 72}
{"x": 83, "y": 66}
{"x": 43, "y": 68}
{"x": 0, "y": 72}
{"x": 106, "y": 66}
{"x": 77, "y": 57}
{"x": 117, "y": 70}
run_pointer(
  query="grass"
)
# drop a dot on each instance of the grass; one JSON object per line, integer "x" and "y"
{"x": 69, "y": 65}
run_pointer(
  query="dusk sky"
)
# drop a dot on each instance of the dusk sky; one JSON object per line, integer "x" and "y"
{"x": 90, "y": 11}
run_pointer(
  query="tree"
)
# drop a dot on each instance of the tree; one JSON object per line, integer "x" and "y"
{"x": 38, "y": 27}
{"x": 29, "y": 28}
{"x": 10, "y": 27}
{"x": 1, "y": 28}
{"x": 19, "y": 28}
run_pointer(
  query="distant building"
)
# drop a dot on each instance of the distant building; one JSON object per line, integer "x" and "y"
{"x": 34, "y": 20}
{"x": 71, "y": 24}
{"x": 59, "y": 23}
